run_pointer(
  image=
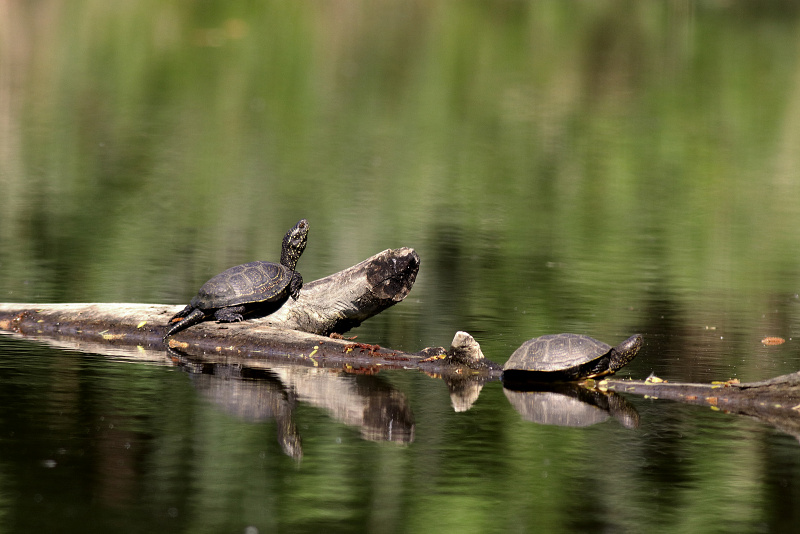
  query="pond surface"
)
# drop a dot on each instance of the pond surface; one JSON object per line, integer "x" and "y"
{"x": 604, "y": 169}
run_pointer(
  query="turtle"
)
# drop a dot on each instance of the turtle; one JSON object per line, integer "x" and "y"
{"x": 253, "y": 286}
{"x": 568, "y": 357}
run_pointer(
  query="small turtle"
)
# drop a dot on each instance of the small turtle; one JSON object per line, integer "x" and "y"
{"x": 567, "y": 357}
{"x": 248, "y": 287}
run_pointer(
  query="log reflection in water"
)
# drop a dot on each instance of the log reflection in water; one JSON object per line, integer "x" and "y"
{"x": 260, "y": 394}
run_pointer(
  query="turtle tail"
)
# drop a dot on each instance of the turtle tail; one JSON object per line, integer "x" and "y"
{"x": 193, "y": 318}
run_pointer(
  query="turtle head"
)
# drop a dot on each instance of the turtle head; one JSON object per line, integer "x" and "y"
{"x": 625, "y": 352}
{"x": 294, "y": 243}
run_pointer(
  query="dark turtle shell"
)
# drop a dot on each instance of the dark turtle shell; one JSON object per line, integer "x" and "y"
{"x": 257, "y": 281}
{"x": 569, "y": 357}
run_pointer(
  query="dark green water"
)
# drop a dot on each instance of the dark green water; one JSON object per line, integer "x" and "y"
{"x": 603, "y": 168}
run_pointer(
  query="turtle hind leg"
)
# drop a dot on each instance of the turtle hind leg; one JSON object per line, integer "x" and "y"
{"x": 196, "y": 316}
{"x": 230, "y": 314}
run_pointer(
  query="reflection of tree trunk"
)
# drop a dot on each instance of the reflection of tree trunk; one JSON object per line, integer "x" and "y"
{"x": 252, "y": 396}
{"x": 787, "y": 161}
{"x": 271, "y": 393}
{"x": 380, "y": 411}
{"x": 14, "y": 65}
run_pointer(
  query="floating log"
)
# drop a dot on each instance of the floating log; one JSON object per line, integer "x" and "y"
{"x": 299, "y": 334}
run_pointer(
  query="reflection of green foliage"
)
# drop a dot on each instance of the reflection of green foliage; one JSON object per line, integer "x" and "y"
{"x": 139, "y": 449}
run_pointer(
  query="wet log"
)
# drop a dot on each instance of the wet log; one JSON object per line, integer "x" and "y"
{"x": 783, "y": 391}
{"x": 295, "y": 335}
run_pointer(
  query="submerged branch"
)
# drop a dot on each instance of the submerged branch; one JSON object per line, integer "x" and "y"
{"x": 775, "y": 401}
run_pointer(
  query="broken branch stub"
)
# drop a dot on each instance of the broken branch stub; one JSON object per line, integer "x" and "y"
{"x": 345, "y": 299}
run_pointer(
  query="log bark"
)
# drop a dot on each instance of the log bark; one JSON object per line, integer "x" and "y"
{"x": 344, "y": 300}
{"x": 783, "y": 391}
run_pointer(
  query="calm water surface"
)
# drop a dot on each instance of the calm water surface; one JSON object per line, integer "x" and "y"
{"x": 95, "y": 442}
{"x": 605, "y": 169}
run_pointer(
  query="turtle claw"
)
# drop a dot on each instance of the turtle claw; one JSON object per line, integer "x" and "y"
{"x": 231, "y": 314}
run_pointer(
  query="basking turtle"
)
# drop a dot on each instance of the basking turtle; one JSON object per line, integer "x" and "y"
{"x": 248, "y": 287}
{"x": 567, "y": 357}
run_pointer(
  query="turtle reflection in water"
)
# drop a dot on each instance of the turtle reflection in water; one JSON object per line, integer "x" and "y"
{"x": 572, "y": 405}
{"x": 568, "y": 357}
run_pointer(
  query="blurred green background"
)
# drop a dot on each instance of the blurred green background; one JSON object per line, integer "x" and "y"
{"x": 604, "y": 167}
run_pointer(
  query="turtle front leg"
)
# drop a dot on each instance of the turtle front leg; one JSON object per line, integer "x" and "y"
{"x": 295, "y": 285}
{"x": 230, "y": 314}
{"x": 193, "y": 318}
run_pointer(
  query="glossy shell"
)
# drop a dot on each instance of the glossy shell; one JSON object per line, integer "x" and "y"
{"x": 568, "y": 357}
{"x": 556, "y": 352}
{"x": 257, "y": 281}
